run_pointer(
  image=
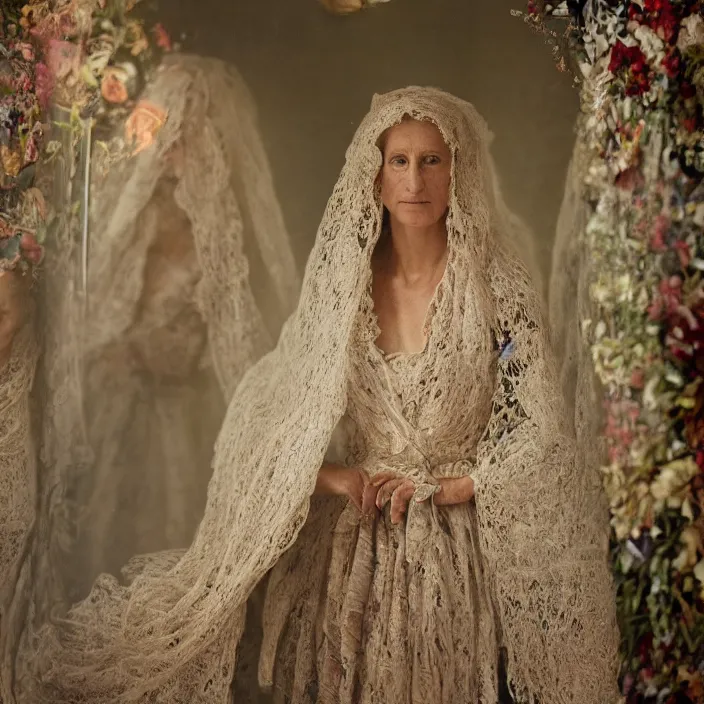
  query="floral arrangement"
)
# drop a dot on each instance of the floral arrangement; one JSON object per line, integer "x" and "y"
{"x": 88, "y": 57}
{"x": 641, "y": 65}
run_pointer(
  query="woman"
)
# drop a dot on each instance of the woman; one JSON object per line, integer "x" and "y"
{"x": 461, "y": 526}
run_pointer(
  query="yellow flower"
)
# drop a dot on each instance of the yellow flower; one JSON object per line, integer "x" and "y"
{"x": 11, "y": 161}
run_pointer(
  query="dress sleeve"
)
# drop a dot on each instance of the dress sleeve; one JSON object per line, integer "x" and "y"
{"x": 544, "y": 532}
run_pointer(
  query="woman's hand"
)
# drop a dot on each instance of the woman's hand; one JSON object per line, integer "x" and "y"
{"x": 399, "y": 491}
{"x": 14, "y": 299}
{"x": 352, "y": 482}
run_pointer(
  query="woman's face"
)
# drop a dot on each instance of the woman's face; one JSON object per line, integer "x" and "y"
{"x": 415, "y": 177}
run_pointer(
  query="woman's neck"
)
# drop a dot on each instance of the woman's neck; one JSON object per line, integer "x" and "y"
{"x": 415, "y": 254}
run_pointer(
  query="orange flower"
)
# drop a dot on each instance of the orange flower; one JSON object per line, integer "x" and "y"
{"x": 161, "y": 37}
{"x": 113, "y": 87}
{"x": 144, "y": 124}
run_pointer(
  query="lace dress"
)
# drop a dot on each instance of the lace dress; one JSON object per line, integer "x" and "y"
{"x": 360, "y": 611}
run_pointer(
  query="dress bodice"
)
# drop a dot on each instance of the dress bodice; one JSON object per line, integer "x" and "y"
{"x": 417, "y": 414}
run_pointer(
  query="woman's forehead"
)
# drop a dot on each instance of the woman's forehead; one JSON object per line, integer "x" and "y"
{"x": 414, "y": 135}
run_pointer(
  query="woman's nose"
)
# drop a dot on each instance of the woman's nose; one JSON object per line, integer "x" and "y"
{"x": 415, "y": 182}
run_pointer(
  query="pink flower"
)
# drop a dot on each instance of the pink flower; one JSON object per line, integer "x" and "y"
{"x": 31, "y": 249}
{"x": 44, "y": 84}
{"x": 657, "y": 240}
{"x": 62, "y": 58}
{"x": 27, "y": 50}
{"x": 31, "y": 149}
{"x": 637, "y": 379}
{"x": 683, "y": 252}
{"x": 667, "y": 300}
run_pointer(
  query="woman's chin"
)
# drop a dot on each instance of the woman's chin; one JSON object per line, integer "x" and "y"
{"x": 417, "y": 220}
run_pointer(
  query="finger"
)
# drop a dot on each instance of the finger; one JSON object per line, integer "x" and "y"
{"x": 386, "y": 490}
{"x": 399, "y": 501}
{"x": 358, "y": 501}
{"x": 369, "y": 500}
{"x": 383, "y": 477}
{"x": 359, "y": 494}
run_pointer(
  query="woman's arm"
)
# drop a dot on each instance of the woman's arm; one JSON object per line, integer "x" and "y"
{"x": 352, "y": 482}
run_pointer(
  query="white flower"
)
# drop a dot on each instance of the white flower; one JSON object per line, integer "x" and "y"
{"x": 691, "y": 32}
{"x": 673, "y": 477}
{"x": 651, "y": 45}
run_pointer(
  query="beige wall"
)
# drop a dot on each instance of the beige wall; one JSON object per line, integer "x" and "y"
{"x": 313, "y": 75}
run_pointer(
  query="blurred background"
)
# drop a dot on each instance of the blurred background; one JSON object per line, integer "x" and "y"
{"x": 313, "y": 75}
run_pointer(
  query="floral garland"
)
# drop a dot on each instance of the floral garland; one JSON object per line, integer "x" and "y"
{"x": 642, "y": 68}
{"x": 88, "y": 57}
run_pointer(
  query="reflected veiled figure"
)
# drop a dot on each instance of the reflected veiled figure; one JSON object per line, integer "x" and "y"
{"x": 190, "y": 276}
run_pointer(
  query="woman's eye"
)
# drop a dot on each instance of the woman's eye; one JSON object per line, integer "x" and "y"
{"x": 398, "y": 161}
{"x": 432, "y": 160}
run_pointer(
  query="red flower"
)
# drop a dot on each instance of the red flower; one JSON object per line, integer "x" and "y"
{"x": 690, "y": 124}
{"x": 671, "y": 64}
{"x": 619, "y": 55}
{"x": 687, "y": 90}
{"x": 663, "y": 19}
{"x": 630, "y": 179}
{"x": 632, "y": 57}
{"x": 668, "y": 27}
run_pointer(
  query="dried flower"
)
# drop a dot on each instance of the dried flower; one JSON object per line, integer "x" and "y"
{"x": 144, "y": 124}
{"x": 161, "y": 37}
{"x": 31, "y": 249}
{"x": 11, "y": 160}
{"x": 63, "y": 58}
{"x": 691, "y": 32}
{"x": 114, "y": 86}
